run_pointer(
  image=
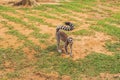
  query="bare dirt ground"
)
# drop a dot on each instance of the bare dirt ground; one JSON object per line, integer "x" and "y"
{"x": 94, "y": 43}
{"x": 103, "y": 76}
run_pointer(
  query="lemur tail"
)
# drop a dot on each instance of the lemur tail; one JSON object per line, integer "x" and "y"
{"x": 67, "y": 27}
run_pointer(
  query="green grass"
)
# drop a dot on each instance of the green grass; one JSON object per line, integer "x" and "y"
{"x": 107, "y": 28}
{"x": 17, "y": 34}
{"x": 92, "y": 65}
{"x": 18, "y": 61}
{"x": 43, "y": 11}
{"x": 40, "y": 20}
{"x": 13, "y": 75}
{"x": 40, "y": 35}
{"x": 83, "y": 32}
{"x": 20, "y": 36}
{"x": 32, "y": 46}
{"x": 16, "y": 57}
{"x": 116, "y": 16}
{"x": 112, "y": 30}
{"x": 8, "y": 26}
{"x": 73, "y": 8}
{"x": 112, "y": 20}
{"x": 113, "y": 47}
{"x": 47, "y": 15}
{"x": 6, "y": 8}
{"x": 17, "y": 20}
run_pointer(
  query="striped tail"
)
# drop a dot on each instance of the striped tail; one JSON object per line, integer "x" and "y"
{"x": 67, "y": 27}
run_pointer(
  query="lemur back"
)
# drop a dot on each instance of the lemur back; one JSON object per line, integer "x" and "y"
{"x": 60, "y": 35}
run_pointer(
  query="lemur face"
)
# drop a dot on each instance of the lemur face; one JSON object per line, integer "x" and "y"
{"x": 70, "y": 40}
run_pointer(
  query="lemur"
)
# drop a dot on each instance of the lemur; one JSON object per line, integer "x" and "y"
{"x": 60, "y": 35}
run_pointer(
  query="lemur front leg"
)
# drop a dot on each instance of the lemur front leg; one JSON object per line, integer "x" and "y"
{"x": 71, "y": 49}
{"x": 66, "y": 45}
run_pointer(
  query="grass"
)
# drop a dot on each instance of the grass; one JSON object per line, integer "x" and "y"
{"x": 112, "y": 30}
{"x": 107, "y": 28}
{"x": 15, "y": 57}
{"x": 83, "y": 32}
{"x": 6, "y": 8}
{"x": 32, "y": 46}
{"x": 17, "y": 34}
{"x": 7, "y": 26}
{"x": 48, "y": 60}
{"x": 17, "y": 20}
{"x": 27, "y": 43}
{"x": 13, "y": 75}
{"x": 47, "y": 15}
{"x": 92, "y": 65}
{"x": 40, "y": 20}
{"x": 116, "y": 16}
{"x": 112, "y": 20}
{"x": 40, "y": 35}
{"x": 113, "y": 47}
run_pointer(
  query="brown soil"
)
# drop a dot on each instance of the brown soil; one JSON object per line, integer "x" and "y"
{"x": 20, "y": 28}
{"x": 87, "y": 45}
{"x": 8, "y": 40}
{"x": 102, "y": 76}
{"x": 29, "y": 52}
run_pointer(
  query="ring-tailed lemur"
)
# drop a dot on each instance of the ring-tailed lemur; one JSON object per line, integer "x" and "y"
{"x": 64, "y": 37}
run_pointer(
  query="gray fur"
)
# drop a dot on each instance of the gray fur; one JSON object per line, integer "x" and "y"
{"x": 62, "y": 36}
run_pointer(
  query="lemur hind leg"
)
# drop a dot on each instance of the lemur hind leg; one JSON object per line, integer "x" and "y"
{"x": 58, "y": 42}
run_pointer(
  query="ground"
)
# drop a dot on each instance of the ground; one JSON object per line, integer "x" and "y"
{"x": 28, "y": 44}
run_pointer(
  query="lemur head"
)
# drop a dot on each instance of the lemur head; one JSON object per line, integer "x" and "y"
{"x": 70, "y": 40}
{"x": 69, "y": 24}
